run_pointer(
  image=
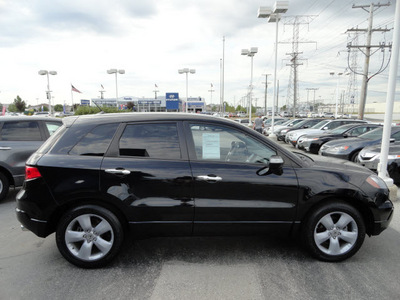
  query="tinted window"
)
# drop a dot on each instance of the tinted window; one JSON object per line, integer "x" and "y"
{"x": 21, "y": 131}
{"x": 226, "y": 144}
{"x": 96, "y": 142}
{"x": 150, "y": 140}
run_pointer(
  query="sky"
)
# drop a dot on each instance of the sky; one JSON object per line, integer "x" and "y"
{"x": 151, "y": 40}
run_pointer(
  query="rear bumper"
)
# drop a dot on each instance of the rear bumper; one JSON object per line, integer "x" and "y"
{"x": 38, "y": 227}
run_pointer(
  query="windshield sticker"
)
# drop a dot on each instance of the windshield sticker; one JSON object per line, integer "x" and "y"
{"x": 211, "y": 146}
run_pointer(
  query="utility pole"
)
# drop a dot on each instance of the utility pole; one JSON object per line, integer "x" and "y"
{"x": 312, "y": 89}
{"x": 295, "y": 55}
{"x": 155, "y": 91}
{"x": 365, "y": 78}
{"x": 265, "y": 99}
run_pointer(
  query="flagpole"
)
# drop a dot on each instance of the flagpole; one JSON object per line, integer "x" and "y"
{"x": 72, "y": 99}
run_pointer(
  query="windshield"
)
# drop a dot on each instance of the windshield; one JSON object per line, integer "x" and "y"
{"x": 373, "y": 134}
{"x": 320, "y": 124}
{"x": 300, "y": 124}
{"x": 341, "y": 129}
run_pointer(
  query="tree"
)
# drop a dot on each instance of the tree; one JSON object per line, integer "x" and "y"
{"x": 12, "y": 108}
{"x": 20, "y": 104}
{"x": 58, "y": 107}
{"x": 130, "y": 106}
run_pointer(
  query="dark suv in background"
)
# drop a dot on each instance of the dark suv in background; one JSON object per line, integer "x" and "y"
{"x": 187, "y": 174}
{"x": 19, "y": 138}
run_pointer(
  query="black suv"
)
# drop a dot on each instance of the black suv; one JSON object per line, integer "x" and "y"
{"x": 185, "y": 174}
{"x": 19, "y": 138}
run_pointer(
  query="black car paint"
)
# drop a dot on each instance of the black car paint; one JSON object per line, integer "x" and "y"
{"x": 163, "y": 196}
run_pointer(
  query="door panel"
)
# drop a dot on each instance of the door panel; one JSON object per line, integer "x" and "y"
{"x": 151, "y": 179}
{"x": 240, "y": 200}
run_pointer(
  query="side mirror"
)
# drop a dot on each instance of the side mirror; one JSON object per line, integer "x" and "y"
{"x": 274, "y": 167}
{"x": 325, "y": 128}
{"x": 345, "y": 135}
{"x": 392, "y": 140}
{"x": 305, "y": 126}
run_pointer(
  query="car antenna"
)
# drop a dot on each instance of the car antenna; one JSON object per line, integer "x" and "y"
{"x": 101, "y": 111}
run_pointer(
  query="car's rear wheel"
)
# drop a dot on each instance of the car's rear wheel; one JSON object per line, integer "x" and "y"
{"x": 89, "y": 236}
{"x": 334, "y": 232}
{"x": 4, "y": 186}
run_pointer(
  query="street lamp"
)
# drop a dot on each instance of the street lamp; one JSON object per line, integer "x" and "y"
{"x": 250, "y": 52}
{"x": 337, "y": 91}
{"x": 273, "y": 15}
{"x": 115, "y": 71}
{"x": 187, "y": 71}
{"x": 48, "y": 92}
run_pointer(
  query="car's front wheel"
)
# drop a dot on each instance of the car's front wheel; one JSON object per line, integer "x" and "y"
{"x": 334, "y": 232}
{"x": 89, "y": 236}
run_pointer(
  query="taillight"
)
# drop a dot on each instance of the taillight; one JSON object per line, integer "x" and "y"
{"x": 31, "y": 173}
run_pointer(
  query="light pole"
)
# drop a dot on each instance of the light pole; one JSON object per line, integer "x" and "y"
{"x": 337, "y": 91}
{"x": 115, "y": 71}
{"x": 187, "y": 71}
{"x": 48, "y": 92}
{"x": 250, "y": 52}
{"x": 273, "y": 15}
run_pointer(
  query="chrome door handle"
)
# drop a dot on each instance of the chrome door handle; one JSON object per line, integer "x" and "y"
{"x": 208, "y": 178}
{"x": 118, "y": 171}
{"x": 5, "y": 148}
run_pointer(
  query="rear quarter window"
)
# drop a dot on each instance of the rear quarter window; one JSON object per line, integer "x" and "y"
{"x": 96, "y": 142}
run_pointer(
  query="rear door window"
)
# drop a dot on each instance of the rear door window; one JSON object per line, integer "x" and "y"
{"x": 21, "y": 131}
{"x": 155, "y": 140}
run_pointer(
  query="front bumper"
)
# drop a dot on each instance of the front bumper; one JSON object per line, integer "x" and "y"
{"x": 385, "y": 217}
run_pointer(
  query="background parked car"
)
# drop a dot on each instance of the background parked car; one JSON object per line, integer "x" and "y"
{"x": 279, "y": 122}
{"x": 369, "y": 157}
{"x": 322, "y": 126}
{"x": 307, "y": 123}
{"x": 19, "y": 138}
{"x": 313, "y": 142}
{"x": 349, "y": 148}
{"x": 291, "y": 123}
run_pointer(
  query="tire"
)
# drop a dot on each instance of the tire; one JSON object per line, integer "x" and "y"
{"x": 354, "y": 156}
{"x": 334, "y": 232}
{"x": 4, "y": 186}
{"x": 80, "y": 243}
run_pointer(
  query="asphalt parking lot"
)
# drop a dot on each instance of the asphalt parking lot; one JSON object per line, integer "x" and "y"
{"x": 197, "y": 268}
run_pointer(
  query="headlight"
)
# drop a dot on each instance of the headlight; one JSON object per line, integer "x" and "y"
{"x": 367, "y": 155}
{"x": 338, "y": 149}
{"x": 376, "y": 182}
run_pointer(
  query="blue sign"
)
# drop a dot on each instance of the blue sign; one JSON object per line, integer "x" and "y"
{"x": 85, "y": 102}
{"x": 172, "y": 101}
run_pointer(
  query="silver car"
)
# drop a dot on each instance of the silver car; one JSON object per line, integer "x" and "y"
{"x": 369, "y": 157}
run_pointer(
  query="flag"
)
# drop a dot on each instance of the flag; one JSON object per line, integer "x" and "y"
{"x": 156, "y": 85}
{"x": 212, "y": 85}
{"x": 74, "y": 89}
{"x": 102, "y": 86}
